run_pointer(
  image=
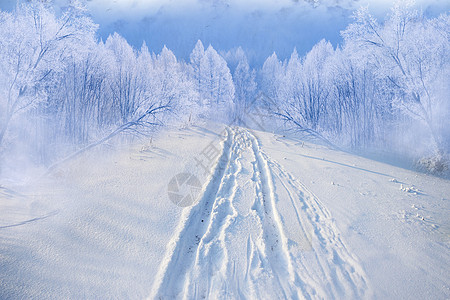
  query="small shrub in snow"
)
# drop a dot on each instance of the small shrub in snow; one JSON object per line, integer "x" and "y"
{"x": 437, "y": 164}
{"x": 411, "y": 189}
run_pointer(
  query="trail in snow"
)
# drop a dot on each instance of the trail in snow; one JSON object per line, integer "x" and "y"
{"x": 193, "y": 226}
{"x": 257, "y": 233}
{"x": 329, "y": 267}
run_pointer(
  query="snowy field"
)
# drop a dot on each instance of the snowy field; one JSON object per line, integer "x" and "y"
{"x": 275, "y": 217}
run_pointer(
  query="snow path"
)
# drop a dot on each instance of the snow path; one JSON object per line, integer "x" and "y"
{"x": 257, "y": 232}
{"x": 267, "y": 225}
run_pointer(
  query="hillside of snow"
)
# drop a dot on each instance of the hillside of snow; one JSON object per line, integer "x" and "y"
{"x": 225, "y": 212}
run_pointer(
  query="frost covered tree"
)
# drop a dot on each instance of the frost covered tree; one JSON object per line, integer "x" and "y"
{"x": 213, "y": 81}
{"x": 384, "y": 76}
{"x": 357, "y": 110}
{"x": 196, "y": 60}
{"x": 171, "y": 85}
{"x": 272, "y": 77}
{"x": 244, "y": 80}
{"x": 233, "y": 57}
{"x": 315, "y": 83}
{"x": 302, "y": 89}
{"x": 127, "y": 86}
{"x": 412, "y": 53}
{"x": 79, "y": 101}
{"x": 34, "y": 45}
{"x": 53, "y": 68}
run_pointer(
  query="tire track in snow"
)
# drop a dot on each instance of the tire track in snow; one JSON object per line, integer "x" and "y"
{"x": 182, "y": 249}
{"x": 276, "y": 243}
{"x": 330, "y": 261}
{"x": 215, "y": 274}
{"x": 197, "y": 264}
{"x": 208, "y": 277}
{"x": 209, "y": 259}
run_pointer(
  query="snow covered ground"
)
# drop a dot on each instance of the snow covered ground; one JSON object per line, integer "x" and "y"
{"x": 275, "y": 218}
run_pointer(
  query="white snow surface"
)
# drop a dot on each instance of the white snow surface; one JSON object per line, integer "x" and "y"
{"x": 276, "y": 217}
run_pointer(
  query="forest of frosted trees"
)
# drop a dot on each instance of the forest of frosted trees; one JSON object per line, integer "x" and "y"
{"x": 385, "y": 88}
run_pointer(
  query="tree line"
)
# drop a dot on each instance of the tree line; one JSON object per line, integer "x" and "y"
{"x": 385, "y": 87}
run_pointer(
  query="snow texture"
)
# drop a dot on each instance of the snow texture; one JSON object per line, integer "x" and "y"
{"x": 267, "y": 224}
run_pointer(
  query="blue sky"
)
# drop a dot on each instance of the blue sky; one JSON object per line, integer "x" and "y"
{"x": 259, "y": 26}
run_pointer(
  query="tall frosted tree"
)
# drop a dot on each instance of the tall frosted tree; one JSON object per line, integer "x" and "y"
{"x": 214, "y": 82}
{"x": 127, "y": 86}
{"x": 35, "y": 44}
{"x": 315, "y": 83}
{"x": 233, "y": 57}
{"x": 171, "y": 84}
{"x": 196, "y": 60}
{"x": 303, "y": 90}
{"x": 290, "y": 87}
{"x": 244, "y": 80}
{"x": 357, "y": 108}
{"x": 412, "y": 54}
{"x": 272, "y": 77}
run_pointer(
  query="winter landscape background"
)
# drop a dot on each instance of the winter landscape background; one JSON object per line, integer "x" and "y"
{"x": 381, "y": 86}
{"x": 325, "y": 125}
